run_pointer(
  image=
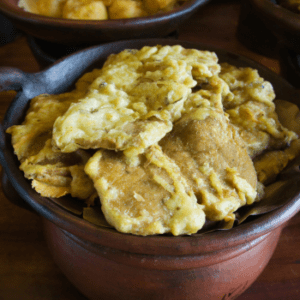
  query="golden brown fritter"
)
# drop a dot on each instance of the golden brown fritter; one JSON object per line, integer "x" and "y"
{"x": 53, "y": 174}
{"x": 134, "y": 100}
{"x": 251, "y": 110}
{"x": 214, "y": 160}
{"x": 150, "y": 198}
{"x": 161, "y": 136}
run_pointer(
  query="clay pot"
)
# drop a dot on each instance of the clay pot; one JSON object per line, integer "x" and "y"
{"x": 90, "y": 32}
{"x": 105, "y": 264}
{"x": 281, "y": 22}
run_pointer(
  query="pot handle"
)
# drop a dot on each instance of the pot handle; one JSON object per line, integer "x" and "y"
{"x": 11, "y": 79}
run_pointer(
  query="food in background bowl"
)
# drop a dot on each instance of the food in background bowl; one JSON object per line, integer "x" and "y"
{"x": 167, "y": 137}
{"x": 98, "y": 10}
{"x": 83, "y": 33}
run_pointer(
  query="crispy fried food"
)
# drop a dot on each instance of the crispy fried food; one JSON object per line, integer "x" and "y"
{"x": 125, "y": 9}
{"x": 154, "y": 6}
{"x": 84, "y": 10}
{"x": 98, "y": 9}
{"x": 214, "y": 161}
{"x": 134, "y": 100}
{"x": 151, "y": 198}
{"x": 271, "y": 163}
{"x": 30, "y": 137}
{"x": 53, "y": 174}
{"x": 251, "y": 109}
{"x": 56, "y": 174}
{"x": 165, "y": 136}
{"x": 208, "y": 94}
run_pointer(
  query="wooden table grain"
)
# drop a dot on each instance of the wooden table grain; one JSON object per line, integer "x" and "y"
{"x": 27, "y": 271}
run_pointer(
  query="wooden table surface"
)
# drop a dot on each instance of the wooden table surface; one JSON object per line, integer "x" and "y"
{"x": 27, "y": 270}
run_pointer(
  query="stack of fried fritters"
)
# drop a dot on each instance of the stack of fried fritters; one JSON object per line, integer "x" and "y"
{"x": 165, "y": 136}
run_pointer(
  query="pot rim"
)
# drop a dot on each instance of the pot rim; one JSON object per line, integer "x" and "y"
{"x": 161, "y": 244}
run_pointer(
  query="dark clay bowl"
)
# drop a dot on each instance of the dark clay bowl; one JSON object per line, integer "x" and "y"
{"x": 283, "y": 23}
{"x": 105, "y": 264}
{"x": 80, "y": 32}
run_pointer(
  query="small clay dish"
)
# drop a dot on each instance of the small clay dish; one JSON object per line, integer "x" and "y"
{"x": 283, "y": 23}
{"x": 92, "y": 32}
{"x": 105, "y": 264}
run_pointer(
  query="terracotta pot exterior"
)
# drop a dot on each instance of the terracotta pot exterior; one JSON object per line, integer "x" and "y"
{"x": 105, "y": 273}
